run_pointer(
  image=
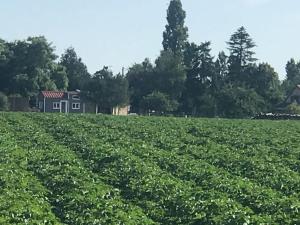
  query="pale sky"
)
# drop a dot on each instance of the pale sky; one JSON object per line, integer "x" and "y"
{"x": 120, "y": 33}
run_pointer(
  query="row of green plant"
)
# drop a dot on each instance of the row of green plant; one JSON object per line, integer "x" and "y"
{"x": 180, "y": 163}
{"x": 75, "y": 169}
{"x": 267, "y": 203}
{"x": 258, "y": 163}
{"x": 77, "y": 195}
{"x": 167, "y": 199}
{"x": 23, "y": 198}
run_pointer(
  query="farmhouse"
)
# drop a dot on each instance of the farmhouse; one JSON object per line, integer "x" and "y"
{"x": 295, "y": 96}
{"x": 71, "y": 102}
{"x": 63, "y": 102}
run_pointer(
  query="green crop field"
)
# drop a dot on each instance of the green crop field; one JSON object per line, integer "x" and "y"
{"x": 75, "y": 169}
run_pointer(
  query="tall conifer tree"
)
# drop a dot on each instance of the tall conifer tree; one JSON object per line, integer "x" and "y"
{"x": 241, "y": 47}
{"x": 176, "y": 33}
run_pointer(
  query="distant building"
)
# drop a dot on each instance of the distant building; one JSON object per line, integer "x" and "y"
{"x": 121, "y": 111}
{"x": 64, "y": 102}
{"x": 71, "y": 102}
{"x": 294, "y": 96}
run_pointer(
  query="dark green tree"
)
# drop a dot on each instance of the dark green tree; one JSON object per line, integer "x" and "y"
{"x": 141, "y": 83}
{"x": 239, "y": 102}
{"x": 221, "y": 70}
{"x": 106, "y": 90}
{"x": 169, "y": 75}
{"x": 5, "y": 55}
{"x": 59, "y": 76}
{"x": 265, "y": 81}
{"x": 241, "y": 47}
{"x": 4, "y": 104}
{"x": 158, "y": 103}
{"x": 292, "y": 70}
{"x": 200, "y": 74}
{"x": 176, "y": 33}
{"x": 292, "y": 76}
{"x": 76, "y": 70}
{"x": 30, "y": 66}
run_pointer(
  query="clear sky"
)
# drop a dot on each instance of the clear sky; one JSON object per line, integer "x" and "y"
{"x": 119, "y": 33}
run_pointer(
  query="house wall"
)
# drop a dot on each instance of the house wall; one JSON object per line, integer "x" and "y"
{"x": 49, "y": 105}
{"x": 70, "y": 97}
{"x": 73, "y": 100}
{"x": 120, "y": 111}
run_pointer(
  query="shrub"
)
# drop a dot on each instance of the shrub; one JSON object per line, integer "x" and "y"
{"x": 293, "y": 108}
{"x": 159, "y": 102}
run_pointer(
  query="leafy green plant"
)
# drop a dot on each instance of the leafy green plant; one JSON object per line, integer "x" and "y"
{"x": 76, "y": 169}
{"x": 293, "y": 108}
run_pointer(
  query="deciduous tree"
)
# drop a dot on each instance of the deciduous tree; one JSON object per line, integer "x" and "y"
{"x": 76, "y": 70}
{"x": 141, "y": 82}
{"x": 30, "y": 66}
{"x": 158, "y": 103}
{"x": 106, "y": 90}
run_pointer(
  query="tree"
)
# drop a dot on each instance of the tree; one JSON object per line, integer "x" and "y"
{"x": 239, "y": 102}
{"x": 292, "y": 70}
{"x": 265, "y": 82}
{"x": 292, "y": 76}
{"x": 159, "y": 103}
{"x": 76, "y": 70}
{"x": 293, "y": 108}
{"x": 141, "y": 82}
{"x": 221, "y": 70}
{"x": 59, "y": 76}
{"x": 4, "y": 105}
{"x": 176, "y": 34}
{"x": 106, "y": 90}
{"x": 200, "y": 74}
{"x": 29, "y": 67}
{"x": 5, "y": 55}
{"x": 241, "y": 47}
{"x": 170, "y": 75}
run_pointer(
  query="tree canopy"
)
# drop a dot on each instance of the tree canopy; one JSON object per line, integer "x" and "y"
{"x": 241, "y": 55}
{"x": 29, "y": 66}
{"x": 106, "y": 90}
{"x": 176, "y": 33}
{"x": 76, "y": 70}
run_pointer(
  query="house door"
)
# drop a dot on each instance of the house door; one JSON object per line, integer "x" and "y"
{"x": 64, "y": 106}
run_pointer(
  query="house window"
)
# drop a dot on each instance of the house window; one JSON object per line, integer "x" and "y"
{"x": 75, "y": 97}
{"x": 56, "y": 105}
{"x": 75, "y": 105}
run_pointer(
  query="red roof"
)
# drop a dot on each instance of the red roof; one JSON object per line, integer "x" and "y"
{"x": 53, "y": 94}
